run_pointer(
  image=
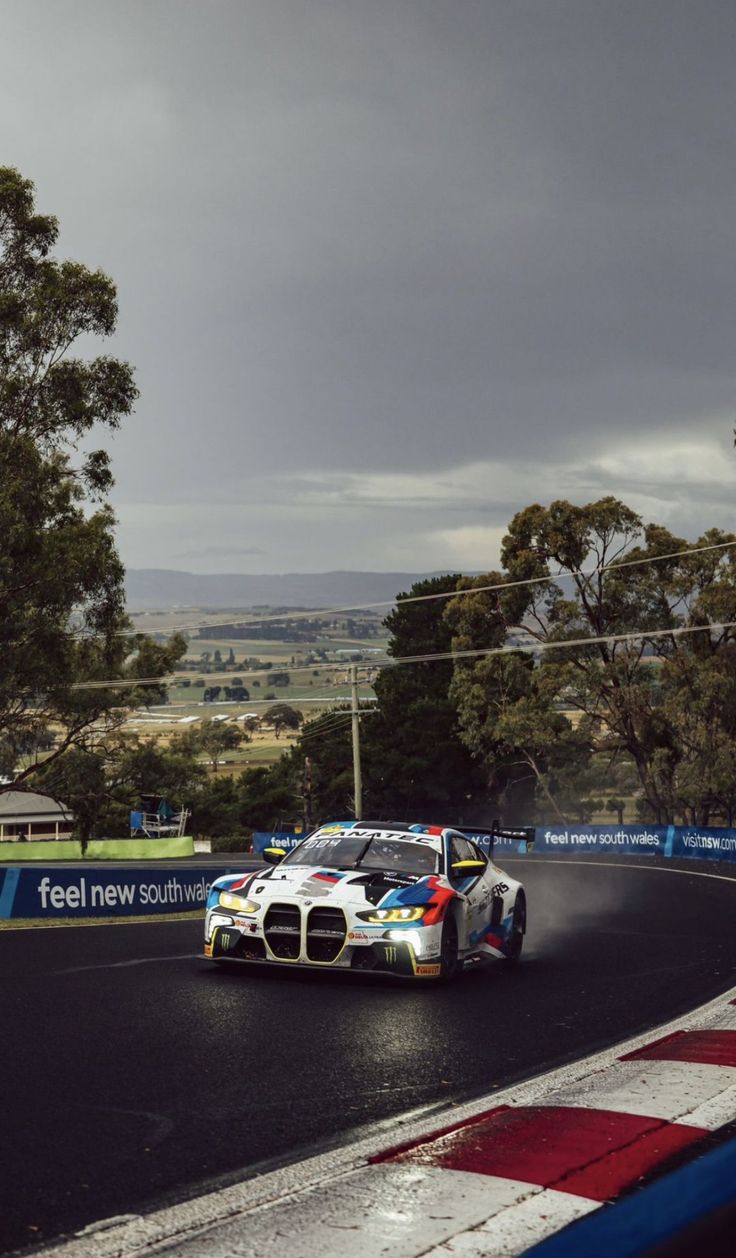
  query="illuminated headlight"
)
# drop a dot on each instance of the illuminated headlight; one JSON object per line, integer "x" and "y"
{"x": 386, "y": 916}
{"x": 236, "y": 902}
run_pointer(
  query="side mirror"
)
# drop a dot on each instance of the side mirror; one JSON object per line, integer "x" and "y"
{"x": 272, "y": 855}
{"x": 466, "y": 869}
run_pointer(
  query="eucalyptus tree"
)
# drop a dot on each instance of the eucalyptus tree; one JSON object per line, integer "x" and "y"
{"x": 63, "y": 628}
{"x": 602, "y": 599}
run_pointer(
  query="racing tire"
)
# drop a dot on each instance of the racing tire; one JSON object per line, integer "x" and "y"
{"x": 518, "y": 928}
{"x": 449, "y": 960}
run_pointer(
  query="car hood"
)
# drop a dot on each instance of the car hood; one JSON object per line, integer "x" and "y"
{"x": 314, "y": 882}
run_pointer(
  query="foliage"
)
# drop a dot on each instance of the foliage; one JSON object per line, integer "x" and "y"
{"x": 661, "y": 702}
{"x": 509, "y": 723}
{"x": 282, "y": 716}
{"x": 62, "y": 623}
{"x": 102, "y": 784}
{"x": 413, "y": 762}
{"x": 268, "y": 796}
{"x": 241, "y": 842}
{"x": 215, "y": 807}
{"x": 326, "y": 743}
{"x": 213, "y": 739}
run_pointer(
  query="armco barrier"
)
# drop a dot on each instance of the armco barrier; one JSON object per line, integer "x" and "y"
{"x": 54, "y": 892}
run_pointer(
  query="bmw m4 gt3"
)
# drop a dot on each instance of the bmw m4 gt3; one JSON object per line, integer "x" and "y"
{"x": 419, "y": 902}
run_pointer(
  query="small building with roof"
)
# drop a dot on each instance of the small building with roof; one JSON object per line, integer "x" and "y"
{"x": 27, "y": 815}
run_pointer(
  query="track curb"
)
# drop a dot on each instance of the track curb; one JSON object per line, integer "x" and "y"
{"x": 391, "y": 1191}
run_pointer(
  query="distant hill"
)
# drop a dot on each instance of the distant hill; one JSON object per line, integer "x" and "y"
{"x": 159, "y": 588}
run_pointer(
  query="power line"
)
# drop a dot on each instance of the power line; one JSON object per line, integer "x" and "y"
{"x": 339, "y": 724}
{"x": 634, "y": 635}
{"x": 426, "y": 598}
{"x": 562, "y": 643}
{"x": 327, "y": 729}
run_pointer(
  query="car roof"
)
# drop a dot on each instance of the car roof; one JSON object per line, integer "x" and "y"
{"x": 407, "y": 831}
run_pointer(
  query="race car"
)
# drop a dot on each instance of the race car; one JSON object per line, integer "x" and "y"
{"x": 410, "y": 900}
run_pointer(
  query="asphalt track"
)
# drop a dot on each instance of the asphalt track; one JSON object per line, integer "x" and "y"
{"x": 134, "y": 1074}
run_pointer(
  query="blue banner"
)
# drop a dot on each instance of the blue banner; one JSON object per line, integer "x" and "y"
{"x": 287, "y": 839}
{"x": 641, "y": 840}
{"x": 53, "y": 892}
{"x": 680, "y": 842}
{"x": 706, "y": 843}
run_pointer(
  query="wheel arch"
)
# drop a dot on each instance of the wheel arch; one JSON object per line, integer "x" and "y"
{"x": 521, "y": 897}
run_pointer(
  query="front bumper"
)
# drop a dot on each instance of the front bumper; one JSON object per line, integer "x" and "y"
{"x": 322, "y": 937}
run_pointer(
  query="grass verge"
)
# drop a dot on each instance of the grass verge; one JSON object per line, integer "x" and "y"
{"x": 28, "y": 923}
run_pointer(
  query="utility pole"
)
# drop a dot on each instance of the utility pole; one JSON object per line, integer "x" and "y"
{"x": 307, "y": 793}
{"x": 356, "y": 743}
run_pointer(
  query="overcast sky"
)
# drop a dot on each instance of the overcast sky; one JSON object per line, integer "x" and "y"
{"x": 390, "y": 270}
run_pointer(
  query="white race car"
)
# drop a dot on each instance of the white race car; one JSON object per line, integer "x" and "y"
{"x": 416, "y": 901}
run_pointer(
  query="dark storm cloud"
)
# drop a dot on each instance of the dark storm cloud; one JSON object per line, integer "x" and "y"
{"x": 372, "y": 237}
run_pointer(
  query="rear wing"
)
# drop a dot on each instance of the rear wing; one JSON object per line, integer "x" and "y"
{"x": 486, "y": 837}
{"x": 523, "y": 834}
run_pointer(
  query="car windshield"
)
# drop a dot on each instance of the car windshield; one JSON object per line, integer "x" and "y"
{"x": 360, "y": 852}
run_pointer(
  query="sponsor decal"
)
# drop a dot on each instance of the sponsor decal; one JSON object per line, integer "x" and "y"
{"x": 376, "y": 834}
{"x": 319, "y": 884}
{"x": 360, "y": 936}
{"x": 427, "y": 971}
{"x": 208, "y": 950}
{"x": 391, "y": 954}
{"x": 500, "y": 889}
{"x": 710, "y": 843}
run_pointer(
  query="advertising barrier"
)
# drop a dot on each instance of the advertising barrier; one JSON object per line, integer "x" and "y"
{"x": 678, "y": 842}
{"x": 34, "y": 891}
{"x": 287, "y": 839}
{"x": 54, "y": 892}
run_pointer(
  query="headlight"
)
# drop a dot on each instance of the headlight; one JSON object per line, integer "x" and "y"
{"x": 385, "y": 916}
{"x": 236, "y": 902}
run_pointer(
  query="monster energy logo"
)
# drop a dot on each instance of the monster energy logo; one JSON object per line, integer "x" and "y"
{"x": 392, "y": 955}
{"x": 225, "y": 939}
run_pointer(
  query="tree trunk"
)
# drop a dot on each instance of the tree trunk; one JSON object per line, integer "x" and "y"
{"x": 545, "y": 789}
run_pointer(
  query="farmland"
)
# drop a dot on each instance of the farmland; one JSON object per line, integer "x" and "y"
{"x": 229, "y": 675}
